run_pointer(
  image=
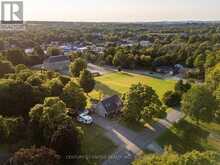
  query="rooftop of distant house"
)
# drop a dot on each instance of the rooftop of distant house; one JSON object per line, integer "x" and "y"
{"x": 59, "y": 58}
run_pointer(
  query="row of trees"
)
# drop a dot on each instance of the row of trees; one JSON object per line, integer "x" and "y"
{"x": 79, "y": 70}
{"x": 18, "y": 56}
{"x": 173, "y": 44}
{"x": 199, "y": 55}
{"x": 21, "y": 90}
{"x": 25, "y": 88}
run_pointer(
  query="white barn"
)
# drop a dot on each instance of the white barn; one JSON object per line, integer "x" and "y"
{"x": 56, "y": 63}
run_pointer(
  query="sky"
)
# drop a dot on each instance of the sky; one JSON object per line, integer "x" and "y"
{"x": 121, "y": 10}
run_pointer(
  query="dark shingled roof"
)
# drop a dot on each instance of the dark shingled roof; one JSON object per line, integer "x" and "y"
{"x": 112, "y": 103}
{"x": 60, "y": 58}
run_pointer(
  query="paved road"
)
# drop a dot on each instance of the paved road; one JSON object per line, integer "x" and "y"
{"x": 131, "y": 144}
{"x": 107, "y": 69}
{"x": 144, "y": 72}
{"x": 95, "y": 68}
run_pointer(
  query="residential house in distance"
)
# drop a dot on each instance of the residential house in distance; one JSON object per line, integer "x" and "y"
{"x": 177, "y": 69}
{"x": 126, "y": 43}
{"x": 97, "y": 49}
{"x": 56, "y": 63}
{"x": 29, "y": 50}
{"x": 109, "y": 107}
{"x": 165, "y": 70}
{"x": 145, "y": 43}
{"x": 180, "y": 70}
{"x": 66, "y": 48}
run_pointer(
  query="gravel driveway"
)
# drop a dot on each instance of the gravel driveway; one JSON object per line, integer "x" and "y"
{"x": 131, "y": 144}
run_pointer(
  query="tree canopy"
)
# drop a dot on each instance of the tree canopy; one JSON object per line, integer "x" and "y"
{"x": 73, "y": 96}
{"x": 86, "y": 81}
{"x": 142, "y": 103}
{"x": 50, "y": 116}
{"x": 34, "y": 156}
{"x": 77, "y": 66}
{"x": 171, "y": 158}
{"x": 199, "y": 103}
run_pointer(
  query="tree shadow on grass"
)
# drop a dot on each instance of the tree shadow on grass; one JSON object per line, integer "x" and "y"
{"x": 127, "y": 74}
{"x": 105, "y": 89}
{"x": 184, "y": 136}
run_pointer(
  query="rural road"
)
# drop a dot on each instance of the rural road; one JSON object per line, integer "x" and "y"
{"x": 142, "y": 72}
{"x": 108, "y": 69}
{"x": 95, "y": 68}
{"x": 131, "y": 144}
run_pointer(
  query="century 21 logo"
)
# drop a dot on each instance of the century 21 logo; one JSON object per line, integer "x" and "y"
{"x": 12, "y": 12}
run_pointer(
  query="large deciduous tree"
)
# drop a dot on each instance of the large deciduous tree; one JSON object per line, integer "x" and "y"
{"x": 16, "y": 56}
{"x": 65, "y": 141}
{"x": 6, "y": 67}
{"x": 142, "y": 103}
{"x": 16, "y": 98}
{"x": 213, "y": 82}
{"x": 55, "y": 86}
{"x": 77, "y": 66}
{"x": 182, "y": 87}
{"x": 48, "y": 117}
{"x": 172, "y": 99}
{"x": 199, "y": 103}
{"x": 86, "y": 81}
{"x": 11, "y": 129}
{"x": 213, "y": 77}
{"x": 73, "y": 96}
{"x": 53, "y": 51}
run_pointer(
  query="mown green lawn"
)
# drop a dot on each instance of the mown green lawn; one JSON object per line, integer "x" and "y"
{"x": 95, "y": 146}
{"x": 187, "y": 135}
{"x": 119, "y": 83}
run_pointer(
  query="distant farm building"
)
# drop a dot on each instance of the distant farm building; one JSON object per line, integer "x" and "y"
{"x": 165, "y": 70}
{"x": 56, "y": 63}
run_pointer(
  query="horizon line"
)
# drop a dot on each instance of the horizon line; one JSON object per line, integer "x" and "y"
{"x": 153, "y": 21}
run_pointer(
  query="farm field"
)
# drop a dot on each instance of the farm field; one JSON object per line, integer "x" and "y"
{"x": 119, "y": 83}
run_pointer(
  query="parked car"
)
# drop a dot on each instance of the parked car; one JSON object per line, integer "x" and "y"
{"x": 85, "y": 118}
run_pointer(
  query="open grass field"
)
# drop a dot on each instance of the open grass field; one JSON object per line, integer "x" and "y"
{"x": 119, "y": 83}
{"x": 187, "y": 135}
{"x": 95, "y": 146}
